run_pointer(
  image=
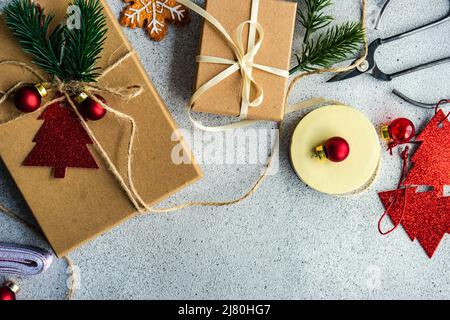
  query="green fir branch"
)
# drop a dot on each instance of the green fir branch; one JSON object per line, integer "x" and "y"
{"x": 335, "y": 45}
{"x": 71, "y": 51}
{"x": 30, "y": 25}
{"x": 313, "y": 18}
{"x": 83, "y": 45}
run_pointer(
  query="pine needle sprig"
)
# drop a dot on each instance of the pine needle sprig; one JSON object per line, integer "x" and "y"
{"x": 332, "y": 46}
{"x": 313, "y": 18}
{"x": 83, "y": 45}
{"x": 30, "y": 25}
{"x": 335, "y": 45}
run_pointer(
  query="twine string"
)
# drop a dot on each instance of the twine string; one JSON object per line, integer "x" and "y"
{"x": 132, "y": 194}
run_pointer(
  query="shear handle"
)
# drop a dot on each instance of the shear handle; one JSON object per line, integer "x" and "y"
{"x": 414, "y": 102}
{"x": 416, "y": 30}
{"x": 420, "y": 67}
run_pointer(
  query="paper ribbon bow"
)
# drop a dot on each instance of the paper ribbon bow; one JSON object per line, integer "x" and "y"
{"x": 244, "y": 58}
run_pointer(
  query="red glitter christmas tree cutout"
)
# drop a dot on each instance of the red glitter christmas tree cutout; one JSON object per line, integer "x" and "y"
{"x": 431, "y": 162}
{"x": 425, "y": 216}
{"x": 61, "y": 142}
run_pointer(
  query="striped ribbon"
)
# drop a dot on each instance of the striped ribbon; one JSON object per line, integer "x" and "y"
{"x": 18, "y": 260}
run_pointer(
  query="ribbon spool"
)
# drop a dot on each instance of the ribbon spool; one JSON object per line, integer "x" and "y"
{"x": 350, "y": 176}
{"x": 19, "y": 260}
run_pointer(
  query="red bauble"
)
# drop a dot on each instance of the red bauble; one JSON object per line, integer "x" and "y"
{"x": 92, "y": 110}
{"x": 400, "y": 130}
{"x": 8, "y": 292}
{"x": 27, "y": 99}
{"x": 337, "y": 149}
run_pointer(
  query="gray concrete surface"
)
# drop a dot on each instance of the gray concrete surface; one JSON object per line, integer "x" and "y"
{"x": 287, "y": 241}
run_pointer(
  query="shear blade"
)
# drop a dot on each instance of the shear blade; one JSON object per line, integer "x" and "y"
{"x": 346, "y": 75}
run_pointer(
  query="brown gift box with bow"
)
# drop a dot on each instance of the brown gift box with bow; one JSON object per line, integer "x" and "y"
{"x": 88, "y": 202}
{"x": 277, "y": 17}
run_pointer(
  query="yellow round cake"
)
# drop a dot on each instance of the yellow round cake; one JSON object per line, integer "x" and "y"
{"x": 336, "y": 178}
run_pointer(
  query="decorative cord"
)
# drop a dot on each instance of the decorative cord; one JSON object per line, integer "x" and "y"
{"x": 443, "y": 101}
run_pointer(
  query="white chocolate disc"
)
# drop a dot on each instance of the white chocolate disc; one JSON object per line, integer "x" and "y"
{"x": 341, "y": 178}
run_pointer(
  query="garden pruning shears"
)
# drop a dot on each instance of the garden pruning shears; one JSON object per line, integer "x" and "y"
{"x": 369, "y": 66}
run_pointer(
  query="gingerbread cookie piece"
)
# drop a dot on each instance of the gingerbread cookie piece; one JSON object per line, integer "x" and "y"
{"x": 154, "y": 16}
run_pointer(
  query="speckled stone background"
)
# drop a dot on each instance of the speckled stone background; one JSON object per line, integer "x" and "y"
{"x": 287, "y": 241}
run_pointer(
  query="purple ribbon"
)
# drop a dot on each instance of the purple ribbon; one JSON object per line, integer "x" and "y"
{"x": 21, "y": 260}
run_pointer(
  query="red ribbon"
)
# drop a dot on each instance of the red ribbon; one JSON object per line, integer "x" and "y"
{"x": 443, "y": 101}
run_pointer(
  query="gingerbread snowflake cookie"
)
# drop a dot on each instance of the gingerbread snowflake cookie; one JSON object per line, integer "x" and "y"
{"x": 154, "y": 16}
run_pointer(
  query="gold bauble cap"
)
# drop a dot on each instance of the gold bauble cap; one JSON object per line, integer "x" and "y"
{"x": 385, "y": 133}
{"x": 320, "y": 153}
{"x": 41, "y": 89}
{"x": 12, "y": 286}
{"x": 81, "y": 97}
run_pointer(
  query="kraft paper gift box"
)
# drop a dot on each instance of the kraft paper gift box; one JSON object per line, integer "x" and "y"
{"x": 87, "y": 202}
{"x": 277, "y": 18}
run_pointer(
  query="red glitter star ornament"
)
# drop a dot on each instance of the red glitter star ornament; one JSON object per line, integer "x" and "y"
{"x": 61, "y": 142}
